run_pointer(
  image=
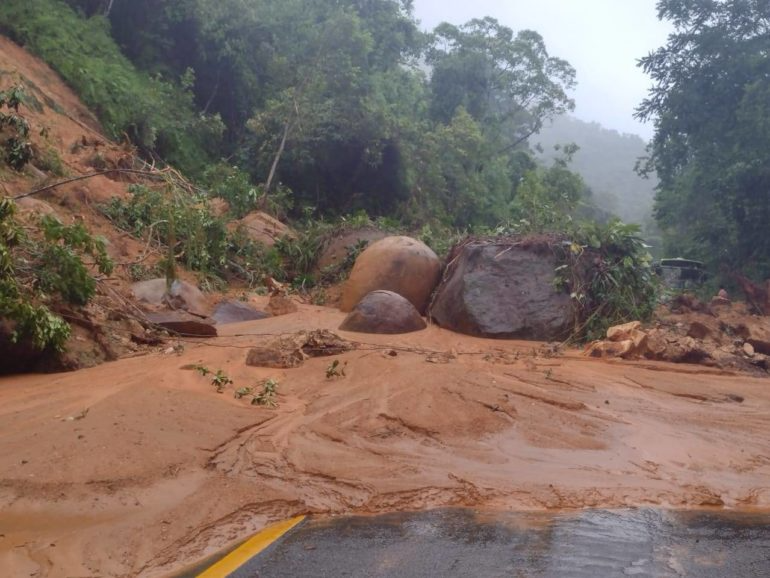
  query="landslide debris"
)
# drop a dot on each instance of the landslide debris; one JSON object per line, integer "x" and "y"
{"x": 291, "y": 351}
{"x": 722, "y": 334}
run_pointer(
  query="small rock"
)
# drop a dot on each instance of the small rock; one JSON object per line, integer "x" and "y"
{"x": 748, "y": 349}
{"x": 610, "y": 348}
{"x": 621, "y": 332}
{"x": 723, "y": 294}
{"x": 262, "y": 228}
{"x": 281, "y": 305}
{"x": 698, "y": 330}
{"x": 36, "y": 206}
{"x": 181, "y": 295}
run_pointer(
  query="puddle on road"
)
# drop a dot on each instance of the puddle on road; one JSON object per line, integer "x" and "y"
{"x": 458, "y": 543}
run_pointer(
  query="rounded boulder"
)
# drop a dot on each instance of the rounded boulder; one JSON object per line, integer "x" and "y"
{"x": 399, "y": 264}
{"x": 384, "y": 312}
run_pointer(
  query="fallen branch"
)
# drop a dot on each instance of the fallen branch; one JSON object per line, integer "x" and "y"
{"x": 150, "y": 174}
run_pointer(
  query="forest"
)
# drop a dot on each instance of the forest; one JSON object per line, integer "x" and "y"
{"x": 326, "y": 107}
{"x": 319, "y": 111}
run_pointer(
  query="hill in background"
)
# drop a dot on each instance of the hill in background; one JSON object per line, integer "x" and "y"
{"x": 606, "y": 162}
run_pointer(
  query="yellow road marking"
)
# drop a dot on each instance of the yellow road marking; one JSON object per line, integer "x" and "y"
{"x": 249, "y": 549}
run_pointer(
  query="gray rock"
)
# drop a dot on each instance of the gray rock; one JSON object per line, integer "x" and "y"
{"x": 235, "y": 312}
{"x": 504, "y": 290}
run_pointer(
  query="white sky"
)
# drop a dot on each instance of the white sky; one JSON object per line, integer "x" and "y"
{"x": 602, "y": 39}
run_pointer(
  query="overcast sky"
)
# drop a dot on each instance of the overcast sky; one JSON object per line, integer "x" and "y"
{"x": 602, "y": 39}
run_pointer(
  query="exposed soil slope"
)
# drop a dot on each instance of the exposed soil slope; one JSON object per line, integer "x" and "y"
{"x": 139, "y": 467}
{"x": 68, "y": 143}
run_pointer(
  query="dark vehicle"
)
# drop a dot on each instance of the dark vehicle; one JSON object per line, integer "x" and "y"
{"x": 681, "y": 273}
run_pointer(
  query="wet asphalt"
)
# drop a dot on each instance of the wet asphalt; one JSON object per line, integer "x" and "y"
{"x": 449, "y": 543}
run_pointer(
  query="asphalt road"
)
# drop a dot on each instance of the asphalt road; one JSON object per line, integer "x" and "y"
{"x": 448, "y": 543}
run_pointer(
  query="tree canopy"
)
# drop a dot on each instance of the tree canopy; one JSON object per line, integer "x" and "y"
{"x": 331, "y": 106}
{"x": 711, "y": 108}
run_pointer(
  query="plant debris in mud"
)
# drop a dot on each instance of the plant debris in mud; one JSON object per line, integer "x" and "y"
{"x": 264, "y": 394}
{"x": 219, "y": 379}
{"x": 336, "y": 369}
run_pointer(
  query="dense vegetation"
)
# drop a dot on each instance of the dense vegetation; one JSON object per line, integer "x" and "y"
{"x": 156, "y": 114}
{"x": 711, "y": 107}
{"x": 315, "y": 111}
{"x": 36, "y": 271}
{"x": 323, "y": 104}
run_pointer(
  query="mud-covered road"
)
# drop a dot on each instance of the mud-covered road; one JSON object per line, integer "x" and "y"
{"x": 139, "y": 467}
{"x": 461, "y": 543}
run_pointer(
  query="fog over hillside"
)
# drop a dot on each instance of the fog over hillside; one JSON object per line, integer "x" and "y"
{"x": 606, "y": 161}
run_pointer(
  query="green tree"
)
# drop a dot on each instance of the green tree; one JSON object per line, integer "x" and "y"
{"x": 157, "y": 114}
{"x": 548, "y": 198}
{"x": 331, "y": 130}
{"x": 711, "y": 108}
{"x": 508, "y": 82}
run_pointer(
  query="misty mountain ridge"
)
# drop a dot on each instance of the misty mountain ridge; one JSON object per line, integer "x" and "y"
{"x": 606, "y": 161}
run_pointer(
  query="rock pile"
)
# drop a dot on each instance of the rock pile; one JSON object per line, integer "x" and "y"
{"x": 725, "y": 337}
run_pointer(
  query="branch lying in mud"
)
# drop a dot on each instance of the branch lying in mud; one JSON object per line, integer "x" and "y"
{"x": 163, "y": 174}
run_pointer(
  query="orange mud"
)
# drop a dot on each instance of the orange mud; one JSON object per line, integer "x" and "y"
{"x": 139, "y": 468}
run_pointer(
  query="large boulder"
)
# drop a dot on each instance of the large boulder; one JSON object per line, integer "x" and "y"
{"x": 504, "y": 290}
{"x": 399, "y": 264}
{"x": 261, "y": 227}
{"x": 181, "y": 295}
{"x": 383, "y": 312}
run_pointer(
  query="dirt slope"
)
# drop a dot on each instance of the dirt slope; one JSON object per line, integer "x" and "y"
{"x": 68, "y": 142}
{"x": 160, "y": 470}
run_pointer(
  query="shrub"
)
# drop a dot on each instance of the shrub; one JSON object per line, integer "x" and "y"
{"x": 14, "y": 129}
{"x": 37, "y": 271}
{"x": 608, "y": 271}
{"x": 198, "y": 239}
